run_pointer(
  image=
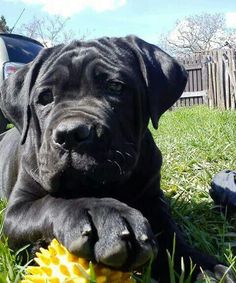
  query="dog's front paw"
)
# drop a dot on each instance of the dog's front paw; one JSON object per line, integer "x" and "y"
{"x": 124, "y": 235}
{"x": 220, "y": 273}
{"x": 109, "y": 232}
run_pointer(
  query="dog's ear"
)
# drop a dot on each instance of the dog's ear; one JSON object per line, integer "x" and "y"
{"x": 13, "y": 98}
{"x": 15, "y": 93}
{"x": 164, "y": 77}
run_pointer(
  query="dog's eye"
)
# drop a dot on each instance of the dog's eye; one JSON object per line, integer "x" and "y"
{"x": 45, "y": 97}
{"x": 115, "y": 87}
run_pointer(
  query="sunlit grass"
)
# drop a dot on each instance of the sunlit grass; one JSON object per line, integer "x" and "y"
{"x": 196, "y": 143}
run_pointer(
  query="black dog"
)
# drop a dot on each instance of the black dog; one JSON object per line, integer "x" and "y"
{"x": 81, "y": 164}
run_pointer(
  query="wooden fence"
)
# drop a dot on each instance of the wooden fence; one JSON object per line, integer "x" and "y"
{"x": 211, "y": 79}
{"x": 221, "y": 79}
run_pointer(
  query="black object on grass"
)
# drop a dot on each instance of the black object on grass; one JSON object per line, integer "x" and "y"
{"x": 223, "y": 189}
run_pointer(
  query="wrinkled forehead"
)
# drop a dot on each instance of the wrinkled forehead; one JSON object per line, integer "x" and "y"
{"x": 86, "y": 60}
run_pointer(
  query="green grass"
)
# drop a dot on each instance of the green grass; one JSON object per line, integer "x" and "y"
{"x": 10, "y": 262}
{"x": 196, "y": 143}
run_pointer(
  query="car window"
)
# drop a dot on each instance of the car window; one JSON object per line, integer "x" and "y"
{"x": 20, "y": 50}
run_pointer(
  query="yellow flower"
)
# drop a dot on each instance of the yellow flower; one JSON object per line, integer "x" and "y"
{"x": 57, "y": 265}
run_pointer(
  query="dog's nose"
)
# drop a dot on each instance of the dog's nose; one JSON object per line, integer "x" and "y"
{"x": 71, "y": 134}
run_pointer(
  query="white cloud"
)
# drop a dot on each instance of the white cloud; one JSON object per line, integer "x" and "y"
{"x": 68, "y": 8}
{"x": 230, "y": 19}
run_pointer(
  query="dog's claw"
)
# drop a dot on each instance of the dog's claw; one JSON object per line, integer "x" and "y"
{"x": 144, "y": 238}
{"x": 125, "y": 234}
{"x": 87, "y": 230}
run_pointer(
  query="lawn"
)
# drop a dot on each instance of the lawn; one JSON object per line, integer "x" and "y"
{"x": 196, "y": 143}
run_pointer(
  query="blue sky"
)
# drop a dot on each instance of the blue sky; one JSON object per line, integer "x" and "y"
{"x": 147, "y": 19}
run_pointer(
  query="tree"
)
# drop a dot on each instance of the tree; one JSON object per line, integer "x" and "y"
{"x": 48, "y": 30}
{"x": 199, "y": 33}
{"x": 3, "y": 25}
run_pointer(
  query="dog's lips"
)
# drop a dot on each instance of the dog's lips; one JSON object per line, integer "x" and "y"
{"x": 100, "y": 168}
{"x": 94, "y": 181}
{"x": 92, "y": 164}
{"x": 85, "y": 174}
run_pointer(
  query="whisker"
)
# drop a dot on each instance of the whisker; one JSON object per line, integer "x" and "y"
{"x": 121, "y": 154}
{"x": 117, "y": 164}
{"x": 128, "y": 154}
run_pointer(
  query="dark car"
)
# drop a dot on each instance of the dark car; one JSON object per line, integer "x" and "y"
{"x": 15, "y": 51}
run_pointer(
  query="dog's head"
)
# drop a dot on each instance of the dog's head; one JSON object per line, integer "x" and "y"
{"x": 85, "y": 107}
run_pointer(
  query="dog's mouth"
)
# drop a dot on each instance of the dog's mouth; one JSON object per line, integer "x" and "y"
{"x": 88, "y": 170}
